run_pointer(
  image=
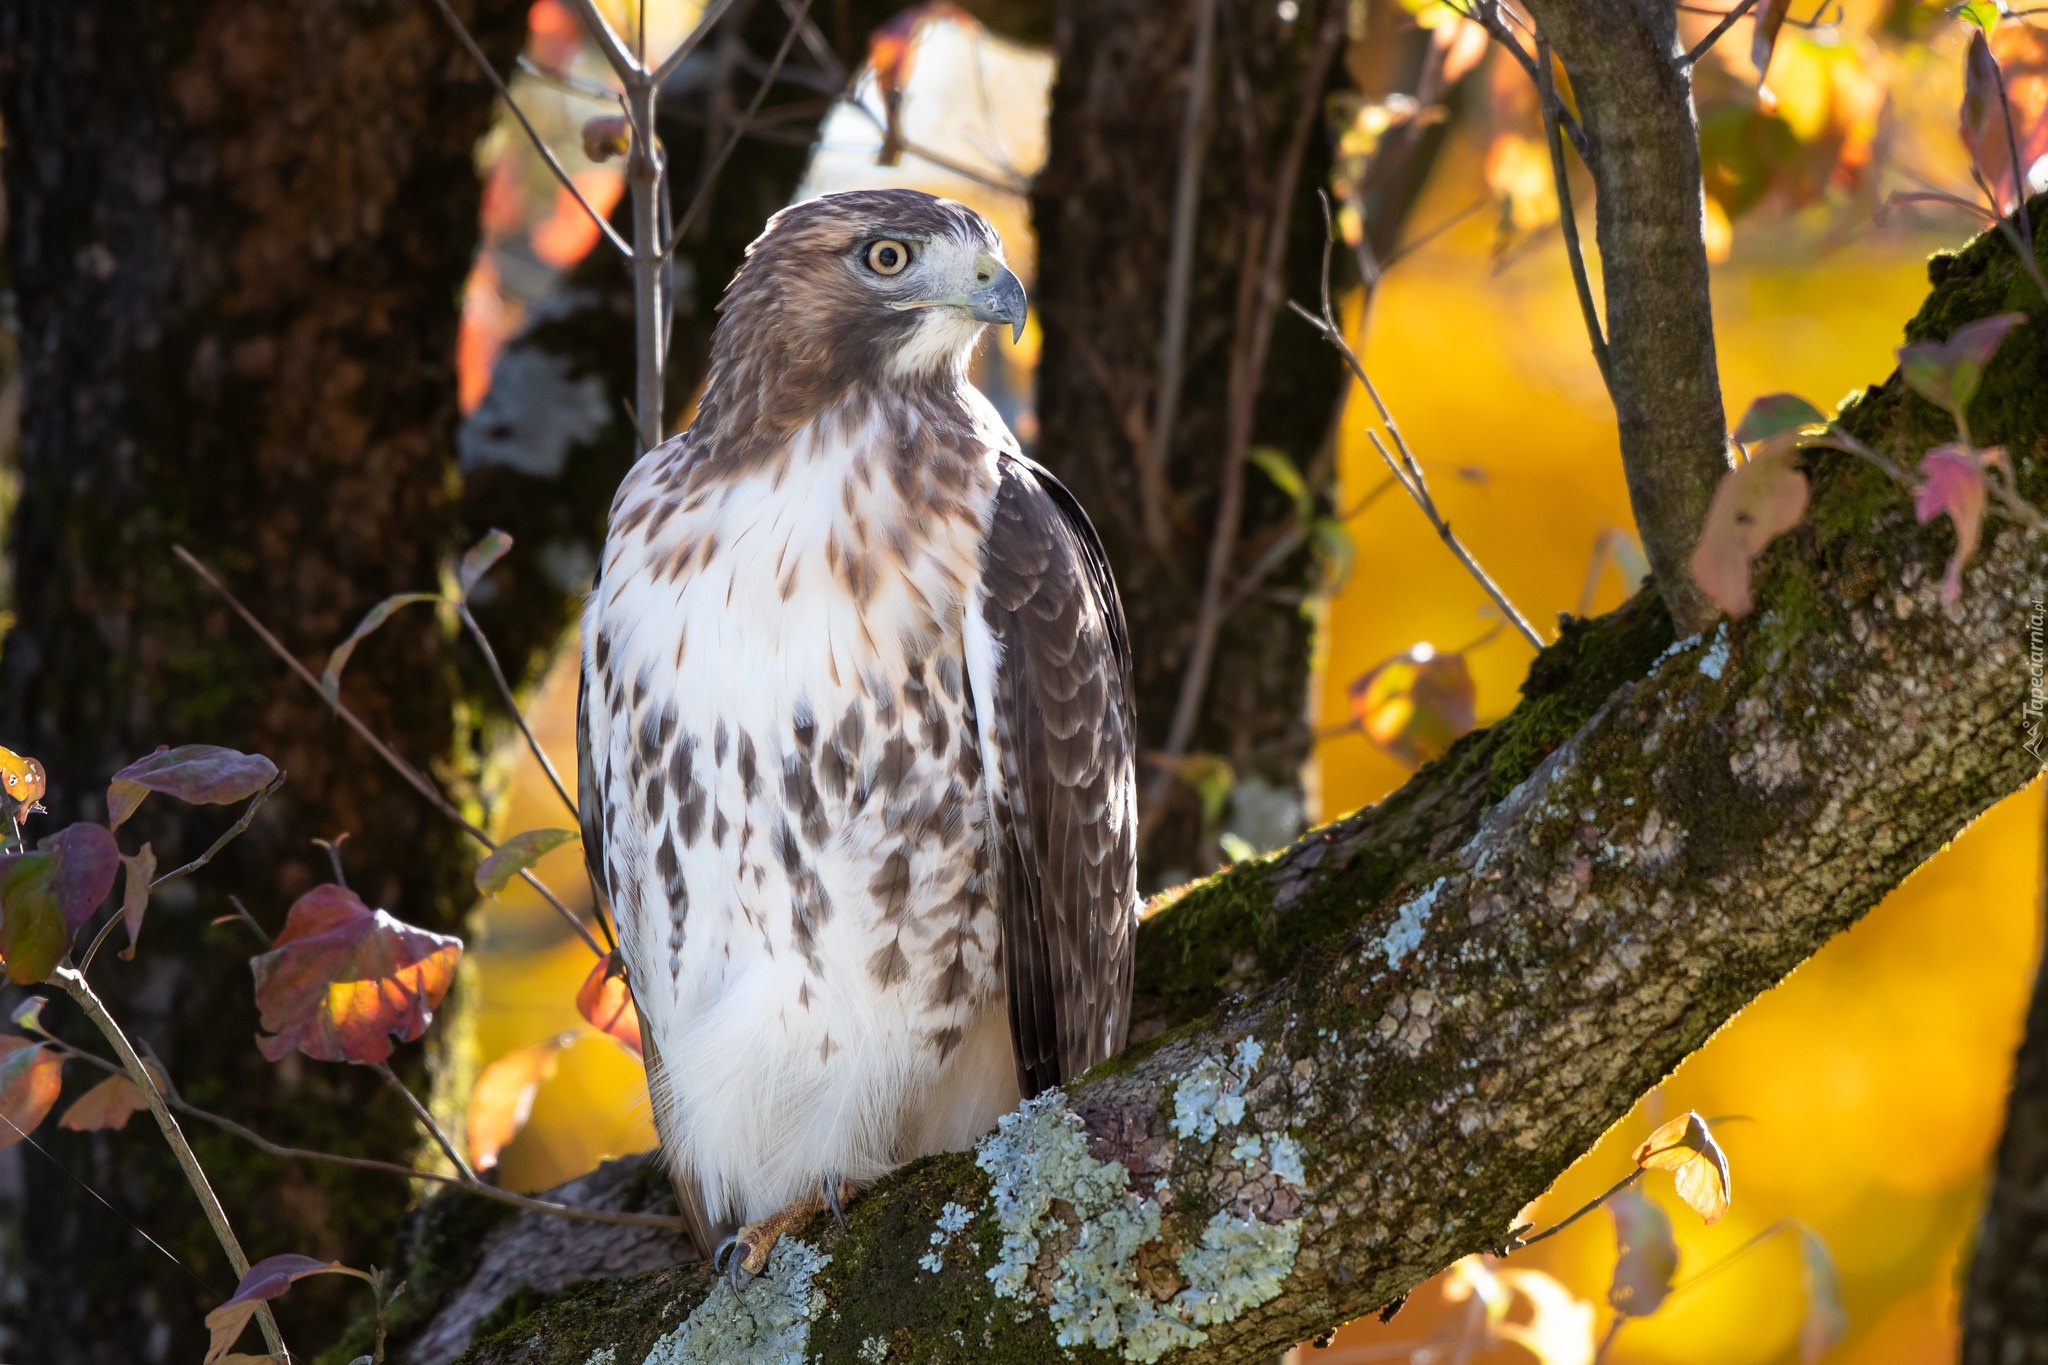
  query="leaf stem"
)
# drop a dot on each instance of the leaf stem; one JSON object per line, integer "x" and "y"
{"x": 1631, "y": 1178}
{"x": 540, "y": 755}
{"x": 74, "y": 983}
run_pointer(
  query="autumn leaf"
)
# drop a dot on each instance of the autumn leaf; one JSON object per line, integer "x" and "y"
{"x": 33, "y": 935}
{"x": 31, "y": 1076}
{"x": 1559, "y": 1329}
{"x": 267, "y": 1279}
{"x": 607, "y": 1002}
{"x": 502, "y": 1101}
{"x": 517, "y": 854}
{"x": 1774, "y": 414}
{"x": 198, "y": 774}
{"x": 141, "y": 869}
{"x": 1755, "y": 502}
{"x": 605, "y": 137}
{"x": 84, "y": 861}
{"x": 22, "y": 779}
{"x": 330, "y": 677}
{"x": 342, "y": 979}
{"x": 1948, "y": 372}
{"x": 1415, "y": 705}
{"x": 28, "y": 1015}
{"x": 1686, "y": 1148}
{"x": 1981, "y": 120}
{"x": 1646, "y": 1254}
{"x": 110, "y": 1105}
{"x": 478, "y": 558}
{"x": 1952, "y": 483}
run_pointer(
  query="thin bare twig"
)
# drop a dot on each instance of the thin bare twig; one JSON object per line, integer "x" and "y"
{"x": 1486, "y": 14}
{"x": 1259, "y": 297}
{"x": 413, "y": 777}
{"x": 1518, "y": 1242}
{"x": 540, "y": 755}
{"x": 74, "y": 983}
{"x": 1567, "y": 221}
{"x": 1180, "y": 265}
{"x": 429, "y": 1123}
{"x": 713, "y": 12}
{"x": 547, "y": 154}
{"x": 1706, "y": 44}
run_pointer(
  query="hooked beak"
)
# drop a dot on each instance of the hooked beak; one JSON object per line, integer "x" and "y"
{"x": 1001, "y": 301}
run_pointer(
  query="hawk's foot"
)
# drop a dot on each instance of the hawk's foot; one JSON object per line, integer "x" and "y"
{"x": 746, "y": 1251}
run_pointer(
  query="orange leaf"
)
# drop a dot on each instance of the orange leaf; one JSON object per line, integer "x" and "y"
{"x": 1699, "y": 1171}
{"x": 343, "y": 979}
{"x": 1755, "y": 503}
{"x": 31, "y": 1076}
{"x": 502, "y": 1101}
{"x": 1416, "y": 704}
{"x": 607, "y": 1002}
{"x": 110, "y": 1104}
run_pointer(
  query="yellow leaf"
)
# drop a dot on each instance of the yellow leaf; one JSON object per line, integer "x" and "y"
{"x": 1699, "y": 1171}
{"x": 503, "y": 1099}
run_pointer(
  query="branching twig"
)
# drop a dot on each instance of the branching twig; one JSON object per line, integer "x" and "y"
{"x": 1567, "y": 221}
{"x": 413, "y": 777}
{"x": 74, "y": 983}
{"x": 429, "y": 1123}
{"x": 1180, "y": 264}
{"x": 540, "y": 755}
{"x": 1486, "y": 14}
{"x": 1706, "y": 44}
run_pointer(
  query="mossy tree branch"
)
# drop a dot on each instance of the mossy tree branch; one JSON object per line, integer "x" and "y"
{"x": 1371, "y": 1050}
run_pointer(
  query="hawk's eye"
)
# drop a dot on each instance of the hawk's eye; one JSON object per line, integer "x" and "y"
{"x": 888, "y": 257}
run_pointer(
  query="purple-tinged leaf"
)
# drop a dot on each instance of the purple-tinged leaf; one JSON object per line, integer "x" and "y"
{"x": 267, "y": 1279}
{"x": 1949, "y": 372}
{"x": 85, "y": 860}
{"x": 1826, "y": 1321}
{"x": 199, "y": 774}
{"x": 1646, "y": 1254}
{"x": 343, "y": 978}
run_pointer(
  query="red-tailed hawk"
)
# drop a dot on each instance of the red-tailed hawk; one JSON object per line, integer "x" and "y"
{"x": 856, "y": 735}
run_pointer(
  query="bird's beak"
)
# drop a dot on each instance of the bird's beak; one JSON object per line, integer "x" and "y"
{"x": 1001, "y": 301}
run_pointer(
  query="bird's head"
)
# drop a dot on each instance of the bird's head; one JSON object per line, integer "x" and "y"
{"x": 869, "y": 285}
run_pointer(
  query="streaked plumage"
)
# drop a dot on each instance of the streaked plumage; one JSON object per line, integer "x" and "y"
{"x": 857, "y": 746}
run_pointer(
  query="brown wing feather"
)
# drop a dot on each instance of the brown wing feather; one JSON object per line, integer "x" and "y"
{"x": 1065, "y": 808}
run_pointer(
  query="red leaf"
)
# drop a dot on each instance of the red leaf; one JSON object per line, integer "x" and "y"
{"x": 502, "y": 1101}
{"x": 1952, "y": 482}
{"x": 607, "y": 1002}
{"x": 199, "y": 774}
{"x": 1755, "y": 503}
{"x": 1981, "y": 121}
{"x": 1416, "y": 704}
{"x": 33, "y": 935}
{"x": 31, "y": 1075}
{"x": 343, "y": 979}
{"x": 267, "y": 1279}
{"x": 84, "y": 862}
{"x": 141, "y": 869}
{"x": 1647, "y": 1254}
{"x": 110, "y": 1104}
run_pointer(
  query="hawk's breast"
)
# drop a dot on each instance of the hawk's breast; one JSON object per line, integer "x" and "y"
{"x": 795, "y": 832}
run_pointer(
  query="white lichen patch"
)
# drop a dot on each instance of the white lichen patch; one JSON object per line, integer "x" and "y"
{"x": 768, "y": 1323}
{"x": 1284, "y": 1159}
{"x": 1205, "y": 1100}
{"x": 1092, "y": 1296}
{"x": 874, "y": 1351}
{"x": 1247, "y": 1148}
{"x": 1409, "y": 921}
{"x": 1715, "y": 662}
{"x": 953, "y": 1220}
{"x": 603, "y": 1355}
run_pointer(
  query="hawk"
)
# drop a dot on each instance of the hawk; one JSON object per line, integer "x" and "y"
{"x": 856, "y": 739}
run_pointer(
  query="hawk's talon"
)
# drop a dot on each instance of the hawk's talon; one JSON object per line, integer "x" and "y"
{"x": 835, "y": 1194}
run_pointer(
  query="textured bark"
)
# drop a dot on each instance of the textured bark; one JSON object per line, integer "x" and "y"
{"x": 2005, "y": 1302}
{"x": 1636, "y": 106}
{"x": 1103, "y": 210}
{"x": 237, "y": 235}
{"x": 1454, "y": 993}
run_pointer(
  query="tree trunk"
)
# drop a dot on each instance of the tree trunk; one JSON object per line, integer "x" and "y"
{"x": 238, "y": 232}
{"x": 1103, "y": 208}
{"x": 2005, "y": 1302}
{"x": 1429, "y": 1009}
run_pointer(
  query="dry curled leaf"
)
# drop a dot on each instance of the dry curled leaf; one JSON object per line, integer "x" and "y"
{"x": 342, "y": 979}
{"x": 1952, "y": 484}
{"x": 1699, "y": 1171}
{"x": 110, "y": 1105}
{"x": 198, "y": 774}
{"x": 23, "y": 780}
{"x": 31, "y": 1077}
{"x": 502, "y": 1101}
{"x": 607, "y": 136}
{"x": 1753, "y": 505}
{"x": 1646, "y": 1254}
{"x": 478, "y": 558}
{"x": 516, "y": 855}
{"x": 140, "y": 867}
{"x": 607, "y": 1002}
{"x": 330, "y": 677}
{"x": 1415, "y": 705}
{"x": 267, "y": 1279}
